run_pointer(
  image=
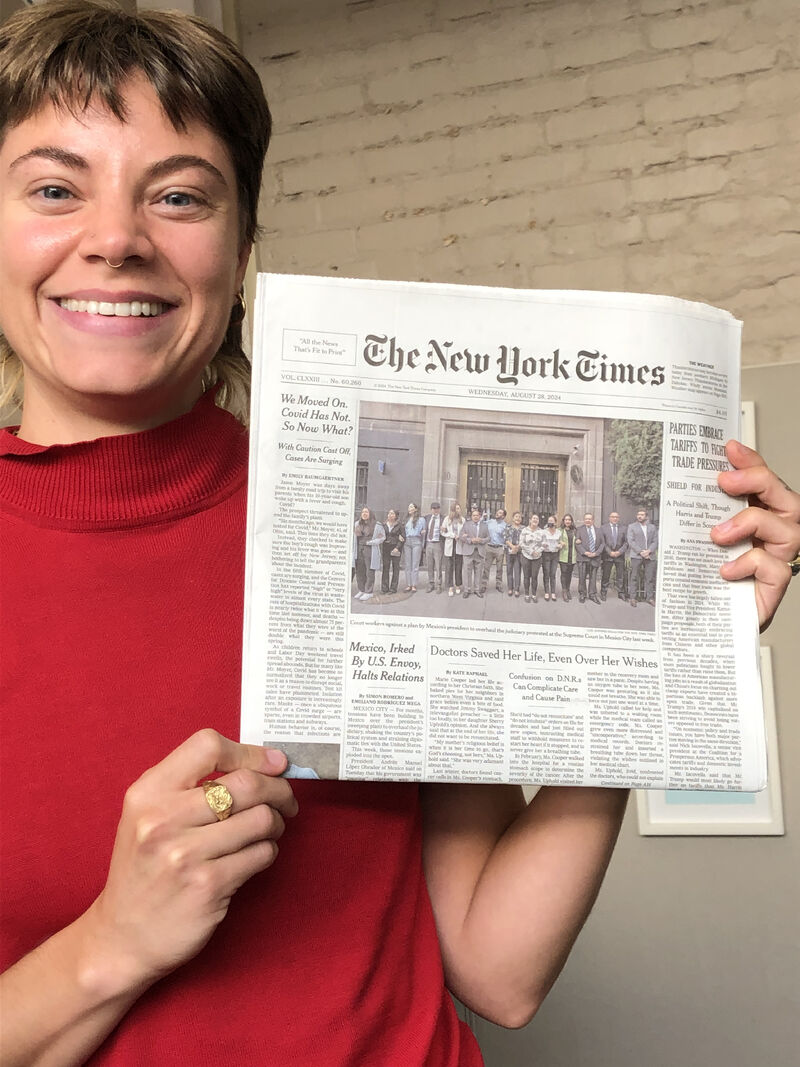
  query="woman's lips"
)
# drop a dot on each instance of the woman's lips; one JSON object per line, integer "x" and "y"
{"x": 120, "y": 309}
{"x": 129, "y": 318}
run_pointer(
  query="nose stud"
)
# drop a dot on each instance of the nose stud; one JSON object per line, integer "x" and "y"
{"x": 114, "y": 266}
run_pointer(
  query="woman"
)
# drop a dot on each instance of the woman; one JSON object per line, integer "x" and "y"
{"x": 530, "y": 544}
{"x": 130, "y": 154}
{"x": 414, "y": 534}
{"x": 459, "y": 553}
{"x": 369, "y": 536}
{"x": 454, "y": 560}
{"x": 567, "y": 555}
{"x": 390, "y": 552}
{"x": 123, "y": 499}
{"x": 513, "y": 555}
{"x": 551, "y": 546}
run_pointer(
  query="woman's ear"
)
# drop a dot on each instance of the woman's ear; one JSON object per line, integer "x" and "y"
{"x": 241, "y": 265}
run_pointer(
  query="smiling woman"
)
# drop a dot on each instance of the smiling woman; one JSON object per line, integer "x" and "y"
{"x": 135, "y": 151}
{"x": 130, "y": 162}
{"x": 122, "y": 263}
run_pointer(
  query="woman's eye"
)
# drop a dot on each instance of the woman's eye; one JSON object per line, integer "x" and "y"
{"x": 181, "y": 200}
{"x": 54, "y": 192}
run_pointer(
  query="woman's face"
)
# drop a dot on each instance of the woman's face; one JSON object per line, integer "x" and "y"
{"x": 516, "y": 518}
{"x": 391, "y": 515}
{"x": 78, "y": 194}
{"x": 459, "y": 515}
{"x": 569, "y": 522}
{"x": 365, "y": 514}
{"x": 534, "y": 522}
{"x": 412, "y": 510}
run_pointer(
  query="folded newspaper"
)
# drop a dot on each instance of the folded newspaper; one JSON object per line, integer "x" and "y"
{"x": 478, "y": 538}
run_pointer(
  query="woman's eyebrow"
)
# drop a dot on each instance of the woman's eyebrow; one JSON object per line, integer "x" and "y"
{"x": 164, "y": 167}
{"x": 160, "y": 169}
{"x": 55, "y": 154}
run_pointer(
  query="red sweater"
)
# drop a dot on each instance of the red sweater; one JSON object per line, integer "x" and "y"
{"x": 122, "y": 571}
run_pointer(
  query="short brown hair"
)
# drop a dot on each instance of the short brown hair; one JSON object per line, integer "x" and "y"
{"x": 70, "y": 52}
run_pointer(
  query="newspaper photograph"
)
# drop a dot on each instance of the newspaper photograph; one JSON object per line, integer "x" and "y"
{"x": 478, "y": 538}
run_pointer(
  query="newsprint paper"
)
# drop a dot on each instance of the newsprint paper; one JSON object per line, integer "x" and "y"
{"x": 386, "y": 638}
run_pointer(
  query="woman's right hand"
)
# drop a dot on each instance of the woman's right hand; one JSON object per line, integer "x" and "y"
{"x": 175, "y": 866}
{"x": 173, "y": 872}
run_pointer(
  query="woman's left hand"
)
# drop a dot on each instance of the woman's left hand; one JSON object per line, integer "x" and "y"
{"x": 772, "y": 522}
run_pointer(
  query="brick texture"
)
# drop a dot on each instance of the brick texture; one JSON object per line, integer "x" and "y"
{"x": 649, "y": 145}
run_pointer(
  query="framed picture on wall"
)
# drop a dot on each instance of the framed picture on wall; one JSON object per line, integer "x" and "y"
{"x": 705, "y": 813}
{"x": 748, "y": 432}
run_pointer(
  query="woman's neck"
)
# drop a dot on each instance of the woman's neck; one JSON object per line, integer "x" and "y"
{"x": 56, "y": 420}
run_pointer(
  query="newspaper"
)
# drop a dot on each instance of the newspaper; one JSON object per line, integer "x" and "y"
{"x": 570, "y": 661}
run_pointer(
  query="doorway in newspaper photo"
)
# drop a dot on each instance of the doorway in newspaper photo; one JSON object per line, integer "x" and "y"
{"x": 537, "y": 519}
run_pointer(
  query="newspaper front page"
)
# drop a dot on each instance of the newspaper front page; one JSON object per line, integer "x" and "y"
{"x": 559, "y": 617}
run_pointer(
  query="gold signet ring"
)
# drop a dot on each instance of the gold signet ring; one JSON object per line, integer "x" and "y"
{"x": 219, "y": 798}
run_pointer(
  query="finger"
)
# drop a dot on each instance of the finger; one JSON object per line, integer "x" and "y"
{"x": 779, "y": 536}
{"x": 239, "y": 866}
{"x": 263, "y": 823}
{"x": 248, "y": 789}
{"x": 219, "y": 879}
{"x": 771, "y": 575}
{"x": 754, "y": 478}
{"x": 206, "y": 752}
{"x": 741, "y": 455}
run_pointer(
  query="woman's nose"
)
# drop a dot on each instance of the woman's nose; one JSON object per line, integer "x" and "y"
{"x": 116, "y": 234}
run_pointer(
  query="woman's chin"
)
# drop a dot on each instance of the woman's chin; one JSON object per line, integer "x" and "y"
{"x": 120, "y": 391}
{"x": 94, "y": 404}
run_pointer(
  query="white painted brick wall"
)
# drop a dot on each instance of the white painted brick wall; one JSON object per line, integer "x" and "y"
{"x": 649, "y": 145}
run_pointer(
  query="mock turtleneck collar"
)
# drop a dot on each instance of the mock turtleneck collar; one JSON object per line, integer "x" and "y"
{"x": 130, "y": 479}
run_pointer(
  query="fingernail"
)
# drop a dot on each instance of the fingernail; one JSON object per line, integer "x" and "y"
{"x": 276, "y": 760}
{"x": 724, "y": 527}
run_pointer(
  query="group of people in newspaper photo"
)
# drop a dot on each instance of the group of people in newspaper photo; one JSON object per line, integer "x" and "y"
{"x": 460, "y": 551}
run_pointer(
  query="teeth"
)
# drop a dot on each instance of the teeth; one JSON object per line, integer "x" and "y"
{"x": 123, "y": 310}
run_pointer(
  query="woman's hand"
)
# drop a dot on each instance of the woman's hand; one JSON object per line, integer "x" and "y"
{"x": 175, "y": 867}
{"x": 173, "y": 872}
{"x": 772, "y": 522}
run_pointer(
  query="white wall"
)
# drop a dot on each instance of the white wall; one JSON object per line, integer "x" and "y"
{"x": 648, "y": 145}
